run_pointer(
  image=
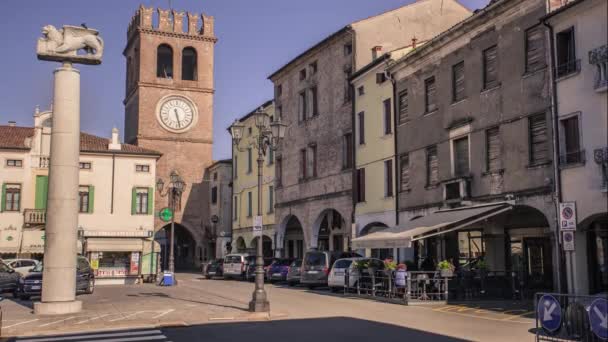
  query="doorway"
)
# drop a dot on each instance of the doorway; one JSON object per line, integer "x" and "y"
{"x": 532, "y": 264}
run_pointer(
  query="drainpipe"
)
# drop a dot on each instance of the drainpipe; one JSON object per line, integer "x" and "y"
{"x": 397, "y": 177}
{"x": 557, "y": 175}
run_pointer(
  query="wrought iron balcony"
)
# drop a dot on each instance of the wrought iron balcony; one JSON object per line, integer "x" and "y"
{"x": 599, "y": 58}
{"x": 570, "y": 158}
{"x": 34, "y": 217}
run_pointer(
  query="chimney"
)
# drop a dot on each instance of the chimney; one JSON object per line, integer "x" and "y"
{"x": 376, "y": 52}
{"x": 114, "y": 142}
{"x": 12, "y": 123}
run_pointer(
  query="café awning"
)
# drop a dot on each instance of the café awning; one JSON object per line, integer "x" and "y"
{"x": 439, "y": 222}
{"x": 114, "y": 245}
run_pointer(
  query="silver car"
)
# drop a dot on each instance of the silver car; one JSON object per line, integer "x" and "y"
{"x": 317, "y": 264}
{"x": 293, "y": 275}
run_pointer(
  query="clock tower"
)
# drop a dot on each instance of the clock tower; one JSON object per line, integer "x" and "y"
{"x": 169, "y": 108}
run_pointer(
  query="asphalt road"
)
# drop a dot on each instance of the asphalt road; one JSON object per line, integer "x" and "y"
{"x": 216, "y": 310}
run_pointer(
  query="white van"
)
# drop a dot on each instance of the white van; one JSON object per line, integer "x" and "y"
{"x": 235, "y": 265}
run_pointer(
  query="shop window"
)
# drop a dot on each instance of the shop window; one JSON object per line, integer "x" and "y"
{"x": 14, "y": 163}
{"x": 164, "y": 61}
{"x": 11, "y": 197}
{"x": 189, "y": 69}
{"x": 471, "y": 246}
{"x": 117, "y": 264}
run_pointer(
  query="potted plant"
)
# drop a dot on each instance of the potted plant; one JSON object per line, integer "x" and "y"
{"x": 446, "y": 269}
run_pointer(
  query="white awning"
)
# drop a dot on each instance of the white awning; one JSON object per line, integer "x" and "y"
{"x": 439, "y": 222}
{"x": 114, "y": 244}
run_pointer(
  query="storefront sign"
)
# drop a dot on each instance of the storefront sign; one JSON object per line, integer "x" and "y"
{"x": 257, "y": 226}
{"x": 134, "y": 233}
{"x": 134, "y": 269}
{"x": 568, "y": 240}
{"x": 567, "y": 215}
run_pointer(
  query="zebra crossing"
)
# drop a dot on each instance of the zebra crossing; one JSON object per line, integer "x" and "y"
{"x": 109, "y": 336}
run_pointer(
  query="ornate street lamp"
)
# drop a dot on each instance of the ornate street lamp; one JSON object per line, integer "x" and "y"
{"x": 269, "y": 136}
{"x": 174, "y": 190}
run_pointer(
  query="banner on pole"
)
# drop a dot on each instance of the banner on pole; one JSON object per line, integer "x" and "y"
{"x": 257, "y": 226}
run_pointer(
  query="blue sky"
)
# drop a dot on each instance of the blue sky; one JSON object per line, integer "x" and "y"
{"x": 256, "y": 38}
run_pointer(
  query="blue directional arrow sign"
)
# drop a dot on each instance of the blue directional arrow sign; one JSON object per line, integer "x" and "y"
{"x": 598, "y": 317}
{"x": 549, "y": 313}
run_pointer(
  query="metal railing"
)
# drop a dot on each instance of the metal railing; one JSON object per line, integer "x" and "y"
{"x": 34, "y": 216}
{"x": 569, "y": 320}
{"x": 568, "y": 68}
{"x": 408, "y": 288}
{"x": 576, "y": 157}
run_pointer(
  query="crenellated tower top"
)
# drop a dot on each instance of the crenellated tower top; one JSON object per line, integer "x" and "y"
{"x": 171, "y": 21}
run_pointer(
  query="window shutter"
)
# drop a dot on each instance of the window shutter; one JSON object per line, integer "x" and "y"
{"x": 430, "y": 94}
{"x": 493, "y": 149}
{"x": 490, "y": 77}
{"x": 133, "y": 201}
{"x": 539, "y": 148}
{"x": 361, "y": 128}
{"x": 42, "y": 187}
{"x": 388, "y": 166}
{"x": 535, "y": 48}
{"x": 362, "y": 185}
{"x": 404, "y": 161}
{"x": 461, "y": 158}
{"x": 91, "y": 199}
{"x": 150, "y": 201}
{"x": 458, "y": 82}
{"x": 387, "y": 117}
{"x": 403, "y": 107}
{"x": 432, "y": 166}
{"x": 3, "y": 202}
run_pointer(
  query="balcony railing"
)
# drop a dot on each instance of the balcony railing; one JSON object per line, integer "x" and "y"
{"x": 33, "y": 217}
{"x": 570, "y": 158}
{"x": 598, "y": 57}
{"x": 568, "y": 68}
{"x": 41, "y": 162}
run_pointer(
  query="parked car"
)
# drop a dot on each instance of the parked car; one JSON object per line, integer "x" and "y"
{"x": 317, "y": 264}
{"x": 293, "y": 273}
{"x": 215, "y": 268}
{"x": 9, "y": 278}
{"x": 250, "y": 274}
{"x": 235, "y": 265}
{"x": 336, "y": 279}
{"x": 277, "y": 271}
{"x": 23, "y": 266}
{"x": 31, "y": 284}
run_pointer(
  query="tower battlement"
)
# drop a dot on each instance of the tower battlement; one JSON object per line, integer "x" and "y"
{"x": 166, "y": 20}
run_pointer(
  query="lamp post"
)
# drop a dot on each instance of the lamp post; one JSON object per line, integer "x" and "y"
{"x": 174, "y": 190}
{"x": 269, "y": 135}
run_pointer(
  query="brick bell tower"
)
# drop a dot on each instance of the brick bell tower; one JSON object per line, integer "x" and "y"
{"x": 169, "y": 108}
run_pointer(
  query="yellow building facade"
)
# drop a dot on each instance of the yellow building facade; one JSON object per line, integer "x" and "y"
{"x": 245, "y": 189}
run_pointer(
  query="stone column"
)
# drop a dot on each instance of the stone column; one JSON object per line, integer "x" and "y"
{"x": 59, "y": 276}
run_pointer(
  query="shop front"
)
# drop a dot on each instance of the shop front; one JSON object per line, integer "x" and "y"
{"x": 121, "y": 257}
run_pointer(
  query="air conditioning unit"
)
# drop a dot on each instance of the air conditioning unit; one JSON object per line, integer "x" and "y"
{"x": 456, "y": 190}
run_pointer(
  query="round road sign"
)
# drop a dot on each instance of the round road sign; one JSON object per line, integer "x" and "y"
{"x": 549, "y": 313}
{"x": 598, "y": 317}
{"x": 165, "y": 214}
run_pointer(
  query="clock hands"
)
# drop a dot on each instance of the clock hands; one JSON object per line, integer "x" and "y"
{"x": 177, "y": 118}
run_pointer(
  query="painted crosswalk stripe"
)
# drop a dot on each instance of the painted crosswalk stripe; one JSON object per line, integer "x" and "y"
{"x": 126, "y": 336}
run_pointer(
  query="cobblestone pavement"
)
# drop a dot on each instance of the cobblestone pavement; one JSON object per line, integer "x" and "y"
{"x": 196, "y": 302}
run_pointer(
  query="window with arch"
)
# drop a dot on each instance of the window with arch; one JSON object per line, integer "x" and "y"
{"x": 189, "y": 64}
{"x": 164, "y": 61}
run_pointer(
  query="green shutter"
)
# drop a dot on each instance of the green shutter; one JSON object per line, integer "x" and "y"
{"x": 3, "y": 204}
{"x": 133, "y": 201}
{"x": 42, "y": 190}
{"x": 91, "y": 198}
{"x": 150, "y": 201}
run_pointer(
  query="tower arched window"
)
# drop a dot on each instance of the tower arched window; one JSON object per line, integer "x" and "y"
{"x": 164, "y": 61}
{"x": 189, "y": 69}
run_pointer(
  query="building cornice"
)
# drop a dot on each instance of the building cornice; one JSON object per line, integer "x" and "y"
{"x": 314, "y": 198}
{"x": 175, "y": 139}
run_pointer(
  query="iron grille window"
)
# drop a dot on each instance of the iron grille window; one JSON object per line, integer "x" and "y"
{"x": 539, "y": 142}
{"x": 388, "y": 176}
{"x": 404, "y": 172}
{"x": 83, "y": 199}
{"x": 388, "y": 123}
{"x": 458, "y": 86}
{"x": 432, "y": 166}
{"x": 490, "y": 72}
{"x": 566, "y": 53}
{"x": 429, "y": 95}
{"x": 403, "y": 107}
{"x": 493, "y": 150}
{"x": 361, "y": 128}
{"x": 535, "y": 48}
{"x": 461, "y": 156}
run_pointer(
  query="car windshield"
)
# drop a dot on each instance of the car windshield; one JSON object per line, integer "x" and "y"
{"x": 315, "y": 259}
{"x": 343, "y": 263}
{"x": 296, "y": 263}
{"x": 38, "y": 268}
{"x": 282, "y": 262}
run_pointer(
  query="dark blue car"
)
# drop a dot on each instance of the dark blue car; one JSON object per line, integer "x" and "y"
{"x": 277, "y": 271}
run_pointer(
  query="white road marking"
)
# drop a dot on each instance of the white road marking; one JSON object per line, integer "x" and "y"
{"x": 135, "y": 336}
{"x": 164, "y": 313}
{"x": 600, "y": 315}
{"x": 59, "y": 321}
{"x": 93, "y": 318}
{"x": 20, "y": 323}
{"x": 124, "y": 317}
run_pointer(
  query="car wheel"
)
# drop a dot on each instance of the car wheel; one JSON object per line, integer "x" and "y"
{"x": 291, "y": 284}
{"x": 91, "y": 287}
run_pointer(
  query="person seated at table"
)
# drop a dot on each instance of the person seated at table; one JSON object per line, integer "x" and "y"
{"x": 401, "y": 278}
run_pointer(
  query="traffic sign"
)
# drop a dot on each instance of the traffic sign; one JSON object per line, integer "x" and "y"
{"x": 165, "y": 214}
{"x": 598, "y": 317}
{"x": 568, "y": 240}
{"x": 549, "y": 312}
{"x": 567, "y": 215}
{"x": 257, "y": 226}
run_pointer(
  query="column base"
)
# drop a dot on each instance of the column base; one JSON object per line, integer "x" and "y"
{"x": 259, "y": 306}
{"x": 57, "y": 308}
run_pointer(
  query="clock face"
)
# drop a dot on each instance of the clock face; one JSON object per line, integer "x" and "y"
{"x": 177, "y": 114}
